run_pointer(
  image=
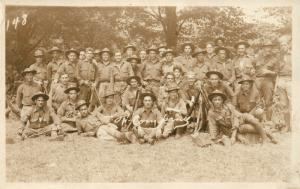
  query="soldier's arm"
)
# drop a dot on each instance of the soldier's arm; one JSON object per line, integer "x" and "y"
{"x": 19, "y": 96}
{"x": 49, "y": 71}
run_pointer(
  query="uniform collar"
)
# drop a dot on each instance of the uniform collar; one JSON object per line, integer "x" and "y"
{"x": 36, "y": 109}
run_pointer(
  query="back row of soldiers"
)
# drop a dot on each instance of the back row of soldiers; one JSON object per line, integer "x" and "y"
{"x": 155, "y": 93}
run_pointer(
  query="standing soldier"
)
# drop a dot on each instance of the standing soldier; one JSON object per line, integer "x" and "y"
{"x": 136, "y": 65}
{"x": 40, "y": 67}
{"x": 42, "y": 120}
{"x": 267, "y": 67}
{"x": 174, "y": 110}
{"x": 86, "y": 73}
{"x": 185, "y": 61}
{"x": 66, "y": 110}
{"x": 224, "y": 65}
{"x": 57, "y": 92}
{"x": 168, "y": 63}
{"x": 220, "y": 41}
{"x": 143, "y": 56}
{"x": 200, "y": 67}
{"x": 161, "y": 50}
{"x": 26, "y": 90}
{"x": 81, "y": 55}
{"x": 69, "y": 66}
{"x": 152, "y": 71}
{"x": 210, "y": 55}
{"x": 147, "y": 120}
{"x": 129, "y": 51}
{"x": 97, "y": 57}
{"x": 54, "y": 64}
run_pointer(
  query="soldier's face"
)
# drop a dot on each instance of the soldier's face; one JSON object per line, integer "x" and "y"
{"x": 105, "y": 56}
{"x": 173, "y": 95}
{"x": 161, "y": 51}
{"x": 246, "y": 86}
{"x": 133, "y": 83}
{"x": 147, "y": 102}
{"x": 118, "y": 57}
{"x": 40, "y": 102}
{"x": 214, "y": 79}
{"x": 169, "y": 57}
{"x": 170, "y": 78}
{"x": 55, "y": 54}
{"x": 39, "y": 59}
{"x": 129, "y": 51}
{"x": 241, "y": 49}
{"x": 200, "y": 57}
{"x": 133, "y": 63}
{"x": 187, "y": 49}
{"x": 217, "y": 101}
{"x": 220, "y": 43}
{"x": 152, "y": 54}
{"x": 143, "y": 55}
{"x": 89, "y": 55}
{"x": 64, "y": 78}
{"x": 29, "y": 77}
{"x": 97, "y": 57}
{"x": 83, "y": 111}
{"x": 222, "y": 54}
{"x": 191, "y": 80}
{"x": 72, "y": 57}
{"x": 109, "y": 100}
{"x": 81, "y": 55}
{"x": 177, "y": 73}
{"x": 73, "y": 94}
{"x": 209, "y": 48}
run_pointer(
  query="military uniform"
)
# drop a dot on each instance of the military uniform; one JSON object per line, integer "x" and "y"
{"x": 57, "y": 95}
{"x": 68, "y": 68}
{"x": 53, "y": 65}
{"x": 225, "y": 67}
{"x": 185, "y": 62}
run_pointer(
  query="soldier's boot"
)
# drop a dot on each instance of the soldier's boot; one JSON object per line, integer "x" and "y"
{"x": 55, "y": 136}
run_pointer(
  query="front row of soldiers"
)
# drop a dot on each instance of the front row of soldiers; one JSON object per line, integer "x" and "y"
{"x": 143, "y": 116}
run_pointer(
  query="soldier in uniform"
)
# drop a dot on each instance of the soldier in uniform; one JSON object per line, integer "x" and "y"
{"x": 210, "y": 55}
{"x": 178, "y": 73}
{"x": 128, "y": 51}
{"x": 225, "y": 122}
{"x": 147, "y": 120}
{"x": 26, "y": 90}
{"x": 168, "y": 63}
{"x": 86, "y": 73}
{"x": 57, "y": 92}
{"x": 136, "y": 65}
{"x": 81, "y": 55}
{"x": 163, "y": 94}
{"x": 130, "y": 94}
{"x": 267, "y": 67}
{"x": 174, "y": 109}
{"x": 40, "y": 120}
{"x": 69, "y": 66}
{"x": 143, "y": 56}
{"x": 161, "y": 50}
{"x": 152, "y": 71}
{"x": 40, "y": 67}
{"x": 185, "y": 61}
{"x": 66, "y": 110}
{"x": 200, "y": 67}
{"x": 220, "y": 41}
{"x": 54, "y": 64}
{"x": 97, "y": 57}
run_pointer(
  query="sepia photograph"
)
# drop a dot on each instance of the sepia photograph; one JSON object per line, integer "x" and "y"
{"x": 148, "y": 94}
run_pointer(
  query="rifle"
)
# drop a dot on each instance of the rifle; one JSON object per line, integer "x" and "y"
{"x": 137, "y": 96}
{"x": 96, "y": 94}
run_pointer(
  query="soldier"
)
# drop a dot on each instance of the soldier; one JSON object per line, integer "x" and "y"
{"x": 267, "y": 67}
{"x": 200, "y": 67}
{"x": 210, "y": 55}
{"x": 178, "y": 73}
{"x": 41, "y": 120}
{"x": 152, "y": 71}
{"x": 81, "y": 55}
{"x": 174, "y": 109}
{"x": 40, "y": 67}
{"x": 130, "y": 94}
{"x": 225, "y": 122}
{"x": 96, "y": 125}
{"x": 57, "y": 92}
{"x": 185, "y": 61}
{"x": 163, "y": 94}
{"x": 129, "y": 51}
{"x": 54, "y": 64}
{"x": 26, "y": 90}
{"x": 97, "y": 57}
{"x": 147, "y": 120}
{"x": 69, "y": 66}
{"x": 66, "y": 110}
{"x": 86, "y": 73}
{"x": 220, "y": 41}
{"x": 224, "y": 65}
{"x": 161, "y": 50}
{"x": 243, "y": 64}
{"x": 143, "y": 56}
{"x": 168, "y": 63}
{"x": 136, "y": 65}
{"x": 215, "y": 82}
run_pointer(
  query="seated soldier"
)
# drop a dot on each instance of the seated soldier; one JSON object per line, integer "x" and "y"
{"x": 130, "y": 94}
{"x": 57, "y": 92}
{"x": 42, "y": 120}
{"x": 225, "y": 122}
{"x": 67, "y": 112}
{"x": 174, "y": 109}
{"x": 179, "y": 76}
{"x": 147, "y": 120}
{"x": 248, "y": 99}
{"x": 163, "y": 95}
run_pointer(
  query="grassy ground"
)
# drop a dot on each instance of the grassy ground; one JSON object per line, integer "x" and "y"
{"x": 79, "y": 159}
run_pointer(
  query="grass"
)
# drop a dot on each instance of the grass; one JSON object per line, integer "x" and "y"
{"x": 79, "y": 159}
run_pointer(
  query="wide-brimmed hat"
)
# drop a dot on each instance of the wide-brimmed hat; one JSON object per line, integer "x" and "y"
{"x": 209, "y": 73}
{"x": 28, "y": 70}
{"x": 217, "y": 93}
{"x": 106, "y": 50}
{"x": 168, "y": 51}
{"x": 137, "y": 78}
{"x": 172, "y": 87}
{"x": 96, "y": 51}
{"x": 108, "y": 93}
{"x": 129, "y": 46}
{"x": 242, "y": 42}
{"x": 81, "y": 103}
{"x": 72, "y": 86}
{"x": 152, "y": 48}
{"x": 55, "y": 49}
{"x": 72, "y": 50}
{"x": 40, "y": 94}
{"x": 143, "y": 95}
{"x": 198, "y": 51}
{"x": 246, "y": 78}
{"x": 188, "y": 43}
{"x": 227, "y": 51}
{"x": 219, "y": 38}
{"x": 38, "y": 53}
{"x": 134, "y": 57}
{"x": 162, "y": 45}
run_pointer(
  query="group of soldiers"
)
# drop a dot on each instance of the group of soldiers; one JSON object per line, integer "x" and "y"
{"x": 134, "y": 95}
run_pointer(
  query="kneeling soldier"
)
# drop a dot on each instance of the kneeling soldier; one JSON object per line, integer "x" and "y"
{"x": 147, "y": 120}
{"x": 40, "y": 120}
{"x": 174, "y": 110}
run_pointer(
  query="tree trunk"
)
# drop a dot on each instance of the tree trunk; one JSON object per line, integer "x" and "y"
{"x": 171, "y": 25}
